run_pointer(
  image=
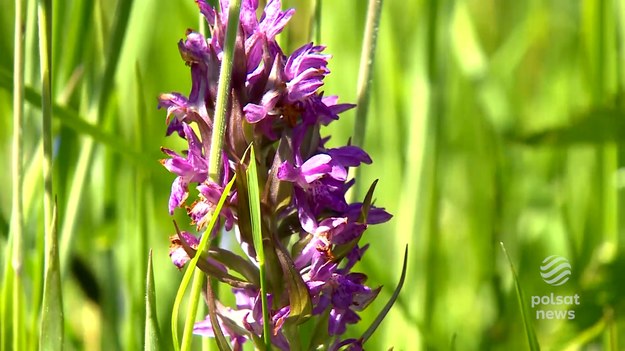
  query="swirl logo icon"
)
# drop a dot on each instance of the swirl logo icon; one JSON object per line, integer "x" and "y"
{"x": 555, "y": 270}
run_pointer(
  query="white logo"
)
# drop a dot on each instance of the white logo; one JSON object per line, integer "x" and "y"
{"x": 555, "y": 270}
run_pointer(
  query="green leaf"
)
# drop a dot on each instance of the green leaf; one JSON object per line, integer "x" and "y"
{"x": 212, "y": 271}
{"x": 596, "y": 126}
{"x": 152, "y": 331}
{"x": 257, "y": 234}
{"x": 51, "y": 336}
{"x": 243, "y": 209}
{"x": 341, "y": 251}
{"x": 529, "y": 329}
{"x": 299, "y": 297}
{"x": 367, "y": 334}
{"x": 366, "y": 204}
{"x": 236, "y": 263}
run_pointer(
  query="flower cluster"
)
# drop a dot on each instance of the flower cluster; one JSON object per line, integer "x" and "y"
{"x": 275, "y": 103}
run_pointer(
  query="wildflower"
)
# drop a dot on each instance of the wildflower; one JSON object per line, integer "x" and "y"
{"x": 276, "y": 103}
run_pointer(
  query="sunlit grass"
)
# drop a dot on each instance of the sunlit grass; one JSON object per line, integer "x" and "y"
{"x": 489, "y": 121}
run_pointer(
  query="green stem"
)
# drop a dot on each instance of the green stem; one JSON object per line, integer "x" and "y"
{"x": 17, "y": 214}
{"x": 223, "y": 93}
{"x": 367, "y": 56}
{"x": 45, "y": 50}
{"x": 264, "y": 306}
{"x": 256, "y": 221}
{"x": 216, "y": 147}
{"x": 316, "y": 22}
{"x": 51, "y": 337}
{"x": 196, "y": 289}
{"x": 363, "y": 87}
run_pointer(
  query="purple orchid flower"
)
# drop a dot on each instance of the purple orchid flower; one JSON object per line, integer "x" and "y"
{"x": 277, "y": 103}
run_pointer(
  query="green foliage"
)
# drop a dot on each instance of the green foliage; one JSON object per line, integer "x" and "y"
{"x": 489, "y": 121}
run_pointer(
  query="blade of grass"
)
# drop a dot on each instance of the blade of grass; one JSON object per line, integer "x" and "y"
{"x": 140, "y": 201}
{"x": 215, "y": 157}
{"x": 255, "y": 215}
{"x": 315, "y": 31}
{"x": 529, "y": 329}
{"x": 367, "y": 58}
{"x": 17, "y": 214}
{"x": 152, "y": 331}
{"x": 193, "y": 264}
{"x": 365, "y": 77}
{"x": 51, "y": 337}
{"x": 378, "y": 320}
{"x": 7, "y": 291}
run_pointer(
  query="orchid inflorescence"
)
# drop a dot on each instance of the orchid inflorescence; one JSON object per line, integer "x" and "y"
{"x": 310, "y": 232}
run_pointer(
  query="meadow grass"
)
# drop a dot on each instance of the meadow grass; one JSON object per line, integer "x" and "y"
{"x": 489, "y": 121}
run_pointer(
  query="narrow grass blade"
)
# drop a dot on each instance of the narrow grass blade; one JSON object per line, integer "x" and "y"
{"x": 378, "y": 320}
{"x": 367, "y": 57}
{"x": 257, "y": 234}
{"x": 51, "y": 337}
{"x": 152, "y": 331}
{"x": 365, "y": 76}
{"x": 6, "y": 290}
{"x": 17, "y": 214}
{"x": 529, "y": 329}
{"x": 140, "y": 219}
{"x": 193, "y": 263}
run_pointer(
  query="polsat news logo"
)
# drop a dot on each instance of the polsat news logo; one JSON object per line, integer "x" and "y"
{"x": 555, "y": 271}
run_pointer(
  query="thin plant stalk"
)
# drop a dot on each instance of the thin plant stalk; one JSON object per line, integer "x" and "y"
{"x": 223, "y": 93}
{"x": 192, "y": 265}
{"x": 51, "y": 337}
{"x": 152, "y": 335}
{"x": 17, "y": 215}
{"x": 365, "y": 77}
{"x": 216, "y": 150}
{"x": 367, "y": 57}
{"x": 255, "y": 216}
{"x": 45, "y": 50}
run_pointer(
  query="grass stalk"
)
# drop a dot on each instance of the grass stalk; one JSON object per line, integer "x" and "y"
{"x": 52, "y": 331}
{"x": 216, "y": 149}
{"x": 529, "y": 329}
{"x": 152, "y": 332}
{"x": 255, "y": 216}
{"x": 17, "y": 214}
{"x": 51, "y": 337}
{"x": 365, "y": 77}
{"x": 186, "y": 343}
{"x": 223, "y": 93}
{"x": 45, "y": 50}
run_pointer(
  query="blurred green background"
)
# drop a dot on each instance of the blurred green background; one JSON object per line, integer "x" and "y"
{"x": 490, "y": 121}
